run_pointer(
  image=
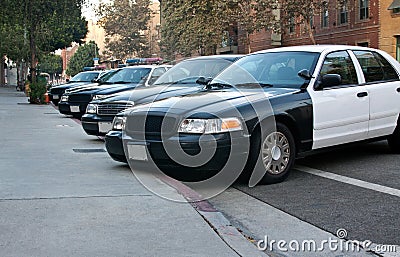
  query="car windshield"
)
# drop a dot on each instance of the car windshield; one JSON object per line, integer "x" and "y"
{"x": 106, "y": 75}
{"x": 270, "y": 69}
{"x": 84, "y": 77}
{"x": 187, "y": 72}
{"x": 128, "y": 75}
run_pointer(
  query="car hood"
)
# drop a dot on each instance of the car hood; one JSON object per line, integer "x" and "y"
{"x": 142, "y": 95}
{"x": 211, "y": 102}
{"x": 102, "y": 88}
{"x": 71, "y": 85}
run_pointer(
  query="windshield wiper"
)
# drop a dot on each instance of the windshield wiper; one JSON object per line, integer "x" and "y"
{"x": 218, "y": 85}
{"x": 254, "y": 84}
{"x": 123, "y": 82}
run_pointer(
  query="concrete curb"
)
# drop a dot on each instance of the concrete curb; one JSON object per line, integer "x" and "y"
{"x": 217, "y": 221}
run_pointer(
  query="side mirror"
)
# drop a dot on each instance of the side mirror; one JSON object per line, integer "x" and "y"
{"x": 203, "y": 80}
{"x": 305, "y": 74}
{"x": 328, "y": 80}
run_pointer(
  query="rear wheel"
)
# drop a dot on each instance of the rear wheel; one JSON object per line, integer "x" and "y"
{"x": 394, "y": 140}
{"x": 276, "y": 154}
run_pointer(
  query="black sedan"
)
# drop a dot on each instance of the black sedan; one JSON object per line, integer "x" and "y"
{"x": 82, "y": 78}
{"x": 179, "y": 80}
{"x": 267, "y": 109}
{"x": 74, "y": 102}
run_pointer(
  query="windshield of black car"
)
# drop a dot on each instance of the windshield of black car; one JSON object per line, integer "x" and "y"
{"x": 128, "y": 75}
{"x": 187, "y": 72}
{"x": 270, "y": 69}
{"x": 106, "y": 75}
{"x": 84, "y": 77}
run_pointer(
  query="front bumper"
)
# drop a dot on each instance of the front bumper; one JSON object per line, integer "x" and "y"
{"x": 215, "y": 153}
{"x": 96, "y": 125}
{"x": 55, "y": 98}
{"x": 114, "y": 146}
{"x": 75, "y": 109}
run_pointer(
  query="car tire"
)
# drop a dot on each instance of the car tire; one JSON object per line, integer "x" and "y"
{"x": 273, "y": 153}
{"x": 394, "y": 140}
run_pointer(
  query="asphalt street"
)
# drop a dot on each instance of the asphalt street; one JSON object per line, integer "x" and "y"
{"x": 366, "y": 213}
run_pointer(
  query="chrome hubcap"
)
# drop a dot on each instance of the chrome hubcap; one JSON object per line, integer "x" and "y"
{"x": 275, "y": 153}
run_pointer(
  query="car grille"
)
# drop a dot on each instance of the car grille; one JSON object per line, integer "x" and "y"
{"x": 79, "y": 98}
{"x": 57, "y": 91}
{"x": 151, "y": 124}
{"x": 112, "y": 108}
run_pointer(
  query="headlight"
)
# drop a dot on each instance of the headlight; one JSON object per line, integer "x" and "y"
{"x": 98, "y": 97}
{"x": 91, "y": 108}
{"x": 119, "y": 123}
{"x": 210, "y": 126}
{"x": 64, "y": 98}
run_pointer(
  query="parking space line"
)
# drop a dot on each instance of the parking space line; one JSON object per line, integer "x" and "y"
{"x": 348, "y": 180}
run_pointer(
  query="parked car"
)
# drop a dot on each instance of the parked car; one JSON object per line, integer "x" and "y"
{"x": 82, "y": 78}
{"x": 74, "y": 102}
{"x": 287, "y": 102}
{"x": 179, "y": 80}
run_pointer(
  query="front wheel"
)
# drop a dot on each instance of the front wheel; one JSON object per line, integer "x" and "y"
{"x": 276, "y": 154}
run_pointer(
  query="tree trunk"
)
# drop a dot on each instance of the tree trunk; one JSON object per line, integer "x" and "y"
{"x": 310, "y": 33}
{"x": 32, "y": 45}
{"x": 248, "y": 42}
{"x": 2, "y": 75}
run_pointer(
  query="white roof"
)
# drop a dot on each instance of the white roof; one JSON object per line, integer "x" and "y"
{"x": 315, "y": 48}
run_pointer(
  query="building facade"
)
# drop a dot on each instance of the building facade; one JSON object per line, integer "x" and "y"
{"x": 371, "y": 23}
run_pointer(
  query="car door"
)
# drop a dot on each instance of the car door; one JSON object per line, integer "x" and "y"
{"x": 341, "y": 113}
{"x": 382, "y": 82}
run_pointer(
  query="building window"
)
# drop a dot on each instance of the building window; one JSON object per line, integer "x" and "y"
{"x": 291, "y": 24}
{"x": 364, "y": 44}
{"x": 324, "y": 17}
{"x": 398, "y": 48}
{"x": 364, "y": 9}
{"x": 344, "y": 13}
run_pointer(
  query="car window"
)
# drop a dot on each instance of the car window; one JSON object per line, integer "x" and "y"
{"x": 156, "y": 74}
{"x": 85, "y": 77}
{"x": 375, "y": 67}
{"x": 190, "y": 70}
{"x": 340, "y": 63}
{"x": 129, "y": 75}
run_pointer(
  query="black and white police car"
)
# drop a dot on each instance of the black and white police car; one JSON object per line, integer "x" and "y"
{"x": 316, "y": 96}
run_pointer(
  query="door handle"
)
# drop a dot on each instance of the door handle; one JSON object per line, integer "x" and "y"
{"x": 362, "y": 94}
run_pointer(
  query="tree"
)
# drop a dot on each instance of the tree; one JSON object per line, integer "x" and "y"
{"x": 190, "y": 25}
{"x": 301, "y": 13}
{"x": 201, "y": 24}
{"x": 250, "y": 15}
{"x": 82, "y": 58}
{"x": 51, "y": 64}
{"x": 125, "y": 23}
{"x": 44, "y": 25}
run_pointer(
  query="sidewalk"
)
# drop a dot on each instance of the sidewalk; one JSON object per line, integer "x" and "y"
{"x": 59, "y": 199}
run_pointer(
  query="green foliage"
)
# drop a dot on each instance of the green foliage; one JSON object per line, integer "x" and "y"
{"x": 37, "y": 91}
{"x": 50, "y": 63}
{"x": 82, "y": 58}
{"x": 201, "y": 24}
{"x": 124, "y": 22}
{"x": 30, "y": 27}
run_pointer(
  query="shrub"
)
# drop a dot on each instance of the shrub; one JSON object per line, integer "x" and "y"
{"x": 37, "y": 91}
